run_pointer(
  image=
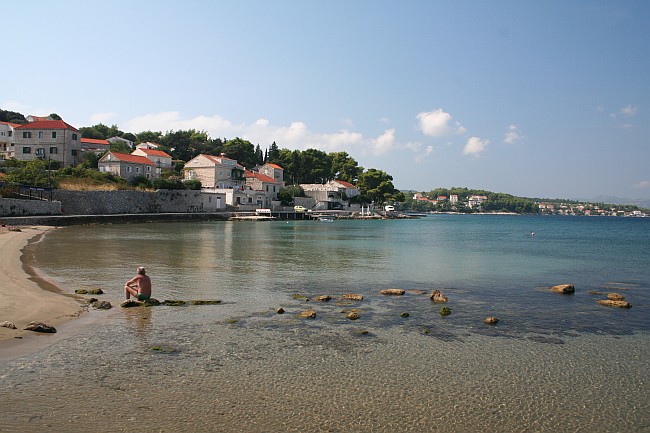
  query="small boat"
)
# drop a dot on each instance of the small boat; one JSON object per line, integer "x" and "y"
{"x": 326, "y": 218}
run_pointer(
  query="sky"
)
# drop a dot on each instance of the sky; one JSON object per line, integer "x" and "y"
{"x": 547, "y": 99}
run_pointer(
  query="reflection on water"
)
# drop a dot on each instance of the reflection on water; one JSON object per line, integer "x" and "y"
{"x": 552, "y": 363}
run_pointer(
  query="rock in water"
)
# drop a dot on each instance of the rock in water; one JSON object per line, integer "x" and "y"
{"x": 7, "y": 324}
{"x": 322, "y": 298}
{"x": 173, "y": 302}
{"x": 564, "y": 289}
{"x": 129, "y": 303}
{"x": 40, "y": 327}
{"x": 102, "y": 305}
{"x": 619, "y": 304}
{"x": 393, "y": 292}
{"x": 352, "y": 297}
{"x": 491, "y": 320}
{"x": 151, "y": 302}
{"x": 438, "y": 297}
{"x": 307, "y": 314}
{"x": 280, "y": 310}
{"x": 353, "y": 315}
{"x": 615, "y": 297}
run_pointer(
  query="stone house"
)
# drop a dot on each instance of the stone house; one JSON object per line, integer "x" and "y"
{"x": 346, "y": 187}
{"x": 162, "y": 159}
{"x": 273, "y": 171}
{"x": 48, "y": 139}
{"x": 266, "y": 185}
{"x": 215, "y": 172}
{"x": 95, "y": 146}
{"x": 7, "y": 139}
{"x": 127, "y": 166}
{"x": 113, "y": 140}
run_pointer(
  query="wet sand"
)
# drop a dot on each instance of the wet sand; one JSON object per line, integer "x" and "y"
{"x": 24, "y": 296}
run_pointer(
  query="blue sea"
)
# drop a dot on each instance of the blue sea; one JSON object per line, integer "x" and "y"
{"x": 552, "y": 363}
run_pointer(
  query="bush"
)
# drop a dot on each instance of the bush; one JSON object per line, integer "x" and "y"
{"x": 193, "y": 184}
{"x": 140, "y": 182}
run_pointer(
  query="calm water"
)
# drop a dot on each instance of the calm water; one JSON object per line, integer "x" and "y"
{"x": 553, "y": 362}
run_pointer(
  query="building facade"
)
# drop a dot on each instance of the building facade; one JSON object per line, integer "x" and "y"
{"x": 48, "y": 139}
{"x": 127, "y": 166}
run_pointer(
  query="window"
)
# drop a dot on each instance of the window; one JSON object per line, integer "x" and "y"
{"x": 74, "y": 136}
{"x": 53, "y": 134}
{"x": 27, "y": 135}
{"x": 137, "y": 169}
{"x": 148, "y": 168}
{"x": 27, "y": 150}
{"x": 40, "y": 152}
{"x": 74, "y": 152}
{"x": 128, "y": 169}
{"x": 40, "y": 134}
{"x": 9, "y": 133}
{"x": 54, "y": 149}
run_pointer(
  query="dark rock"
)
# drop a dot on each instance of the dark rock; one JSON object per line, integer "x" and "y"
{"x": 418, "y": 292}
{"x": 40, "y": 327}
{"x": 491, "y": 320}
{"x": 130, "y": 303}
{"x": 404, "y": 314}
{"x": 280, "y": 310}
{"x": 102, "y": 305}
{"x": 206, "y": 302}
{"x": 173, "y": 302}
{"x": 7, "y": 324}
{"x": 393, "y": 292}
{"x": 95, "y": 291}
{"x": 92, "y": 300}
{"x": 81, "y": 292}
{"x": 564, "y": 289}
{"x": 151, "y": 302}
{"x": 445, "y": 311}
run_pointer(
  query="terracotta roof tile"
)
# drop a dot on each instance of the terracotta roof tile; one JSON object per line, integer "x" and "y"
{"x": 95, "y": 141}
{"x": 154, "y": 152}
{"x": 47, "y": 124}
{"x": 125, "y": 157}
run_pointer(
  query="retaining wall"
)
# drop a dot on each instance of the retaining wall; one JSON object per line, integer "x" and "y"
{"x": 128, "y": 202}
{"x": 19, "y": 207}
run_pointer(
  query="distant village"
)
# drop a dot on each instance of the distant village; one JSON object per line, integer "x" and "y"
{"x": 226, "y": 183}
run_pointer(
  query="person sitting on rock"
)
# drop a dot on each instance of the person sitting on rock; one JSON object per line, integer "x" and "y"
{"x": 138, "y": 286}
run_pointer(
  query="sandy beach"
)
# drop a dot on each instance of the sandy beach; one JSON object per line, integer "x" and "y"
{"x": 25, "y": 297}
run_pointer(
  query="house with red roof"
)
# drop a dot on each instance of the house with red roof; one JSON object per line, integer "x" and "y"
{"x": 55, "y": 140}
{"x": 274, "y": 171}
{"x": 215, "y": 172}
{"x": 94, "y": 145}
{"x": 7, "y": 139}
{"x": 266, "y": 187}
{"x": 346, "y": 187}
{"x": 127, "y": 166}
{"x": 161, "y": 158}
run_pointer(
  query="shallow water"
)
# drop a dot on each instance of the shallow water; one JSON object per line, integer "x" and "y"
{"x": 553, "y": 362}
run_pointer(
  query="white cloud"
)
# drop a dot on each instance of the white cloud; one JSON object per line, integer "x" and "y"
{"x": 628, "y": 111}
{"x": 475, "y": 146}
{"x": 384, "y": 143}
{"x": 101, "y": 118}
{"x": 438, "y": 123}
{"x": 642, "y": 184}
{"x": 512, "y": 135}
{"x": 347, "y": 122}
{"x": 262, "y": 122}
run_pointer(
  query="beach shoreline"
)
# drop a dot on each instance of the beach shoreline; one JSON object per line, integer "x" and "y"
{"x": 26, "y": 296}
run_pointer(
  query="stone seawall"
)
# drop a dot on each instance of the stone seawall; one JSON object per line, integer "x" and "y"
{"x": 18, "y": 207}
{"x": 69, "y": 220}
{"x": 128, "y": 202}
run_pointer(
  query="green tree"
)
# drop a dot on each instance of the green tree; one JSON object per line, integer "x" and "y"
{"x": 273, "y": 155}
{"x": 241, "y": 150}
{"x": 344, "y": 167}
{"x": 12, "y": 117}
{"x": 315, "y": 167}
{"x": 377, "y": 186}
{"x": 259, "y": 155}
{"x": 120, "y": 147}
{"x": 55, "y": 116}
{"x": 34, "y": 173}
{"x": 148, "y": 136}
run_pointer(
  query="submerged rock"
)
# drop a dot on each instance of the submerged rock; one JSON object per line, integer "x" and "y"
{"x": 40, "y": 327}
{"x": 299, "y": 297}
{"x": 445, "y": 311}
{"x": 491, "y": 320}
{"x": 564, "y": 289}
{"x": 151, "y": 302}
{"x": 7, "y": 324}
{"x": 206, "y": 302}
{"x": 81, "y": 292}
{"x": 307, "y": 314}
{"x": 95, "y": 291}
{"x": 404, "y": 314}
{"x": 615, "y": 297}
{"x": 173, "y": 302}
{"x": 102, "y": 305}
{"x": 323, "y": 298}
{"x": 352, "y": 297}
{"x": 438, "y": 297}
{"x": 611, "y": 303}
{"x": 393, "y": 292}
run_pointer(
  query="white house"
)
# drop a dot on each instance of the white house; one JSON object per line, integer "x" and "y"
{"x": 7, "y": 139}
{"x": 48, "y": 139}
{"x": 114, "y": 140}
{"x": 162, "y": 159}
